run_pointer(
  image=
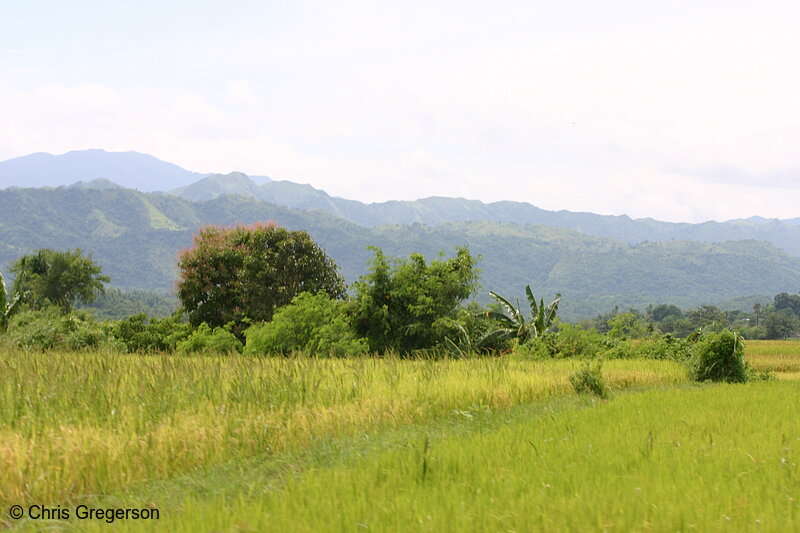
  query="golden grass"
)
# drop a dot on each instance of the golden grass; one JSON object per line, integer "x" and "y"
{"x": 75, "y": 424}
{"x": 780, "y": 357}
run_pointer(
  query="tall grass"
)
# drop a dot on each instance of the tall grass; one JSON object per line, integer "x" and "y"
{"x": 780, "y": 357}
{"x": 710, "y": 458}
{"x": 93, "y": 423}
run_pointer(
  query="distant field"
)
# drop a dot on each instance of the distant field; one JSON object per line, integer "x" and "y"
{"x": 779, "y": 357}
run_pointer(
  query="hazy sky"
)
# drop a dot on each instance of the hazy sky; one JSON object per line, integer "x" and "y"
{"x": 682, "y": 111}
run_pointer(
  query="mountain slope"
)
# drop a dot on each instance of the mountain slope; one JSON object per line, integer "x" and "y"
{"x": 438, "y": 210}
{"x": 136, "y": 238}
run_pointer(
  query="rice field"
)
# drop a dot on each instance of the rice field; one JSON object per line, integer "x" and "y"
{"x": 231, "y": 443}
{"x": 73, "y": 424}
{"x": 780, "y": 357}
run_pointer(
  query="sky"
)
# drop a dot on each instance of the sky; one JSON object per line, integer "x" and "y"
{"x": 683, "y": 111}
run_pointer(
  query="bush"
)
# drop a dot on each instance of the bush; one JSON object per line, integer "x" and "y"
{"x": 719, "y": 357}
{"x": 589, "y": 379}
{"x": 311, "y": 322}
{"x": 205, "y": 339}
{"x": 140, "y": 334}
{"x": 653, "y": 347}
{"x": 404, "y": 306}
{"x": 568, "y": 341}
{"x": 49, "y": 329}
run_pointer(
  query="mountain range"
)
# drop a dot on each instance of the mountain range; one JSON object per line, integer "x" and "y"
{"x": 595, "y": 261}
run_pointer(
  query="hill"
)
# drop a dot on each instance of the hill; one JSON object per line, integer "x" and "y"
{"x": 136, "y": 238}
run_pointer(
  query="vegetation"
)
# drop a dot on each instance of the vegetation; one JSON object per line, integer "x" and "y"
{"x": 8, "y": 304}
{"x": 245, "y": 273}
{"x": 514, "y": 325}
{"x": 408, "y": 305}
{"x": 311, "y": 323}
{"x": 61, "y": 278}
{"x": 135, "y": 238}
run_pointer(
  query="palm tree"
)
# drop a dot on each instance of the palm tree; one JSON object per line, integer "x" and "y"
{"x": 8, "y": 305}
{"x": 513, "y": 321}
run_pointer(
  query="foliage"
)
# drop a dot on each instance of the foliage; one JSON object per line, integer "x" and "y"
{"x": 780, "y": 324}
{"x": 312, "y": 323}
{"x": 141, "y": 334}
{"x": 408, "y": 305}
{"x": 514, "y": 325}
{"x": 117, "y": 304}
{"x": 231, "y": 275}
{"x": 719, "y": 357}
{"x": 55, "y": 277}
{"x": 569, "y": 341}
{"x": 51, "y": 329}
{"x": 207, "y": 339}
{"x": 8, "y": 305}
{"x": 627, "y": 325}
{"x": 589, "y": 379}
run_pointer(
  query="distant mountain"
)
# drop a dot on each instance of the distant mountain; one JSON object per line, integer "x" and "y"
{"x": 437, "y": 210}
{"x": 136, "y": 237}
{"x": 131, "y": 170}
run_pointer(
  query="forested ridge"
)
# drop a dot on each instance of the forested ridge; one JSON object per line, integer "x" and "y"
{"x": 136, "y": 237}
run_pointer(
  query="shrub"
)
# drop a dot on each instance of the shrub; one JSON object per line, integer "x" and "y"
{"x": 311, "y": 322}
{"x": 49, "y": 329}
{"x": 568, "y": 341}
{"x": 206, "y": 339}
{"x": 719, "y": 357}
{"x": 589, "y": 379}
{"x": 140, "y": 334}
{"x": 404, "y": 306}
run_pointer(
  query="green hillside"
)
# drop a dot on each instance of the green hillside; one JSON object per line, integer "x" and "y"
{"x": 136, "y": 238}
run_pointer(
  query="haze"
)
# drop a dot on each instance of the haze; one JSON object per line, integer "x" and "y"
{"x": 681, "y": 111}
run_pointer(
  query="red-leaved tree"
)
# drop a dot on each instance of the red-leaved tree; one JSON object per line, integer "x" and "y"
{"x": 246, "y": 272}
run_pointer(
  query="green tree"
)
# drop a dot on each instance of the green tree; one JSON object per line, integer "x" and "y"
{"x": 780, "y": 324}
{"x": 241, "y": 273}
{"x": 56, "y": 277}
{"x": 8, "y": 304}
{"x": 410, "y": 304}
{"x": 513, "y": 323}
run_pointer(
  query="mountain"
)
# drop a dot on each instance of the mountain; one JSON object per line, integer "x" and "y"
{"x": 136, "y": 238}
{"x": 437, "y": 210}
{"x": 129, "y": 169}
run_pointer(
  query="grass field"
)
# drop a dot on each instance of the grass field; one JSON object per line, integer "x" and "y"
{"x": 303, "y": 444}
{"x": 779, "y": 357}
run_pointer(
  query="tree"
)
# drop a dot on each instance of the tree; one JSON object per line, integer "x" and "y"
{"x": 409, "y": 305}
{"x": 780, "y": 324}
{"x": 55, "y": 277}
{"x": 8, "y": 305}
{"x": 513, "y": 321}
{"x": 241, "y": 273}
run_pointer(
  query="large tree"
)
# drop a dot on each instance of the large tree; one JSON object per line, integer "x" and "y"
{"x": 405, "y": 305}
{"x": 57, "y": 277}
{"x": 246, "y": 272}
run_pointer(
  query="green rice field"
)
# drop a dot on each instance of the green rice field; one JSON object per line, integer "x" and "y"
{"x": 231, "y": 443}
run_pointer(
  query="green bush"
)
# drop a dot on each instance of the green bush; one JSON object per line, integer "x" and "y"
{"x": 312, "y": 323}
{"x": 567, "y": 341}
{"x": 719, "y": 357}
{"x": 50, "y": 329}
{"x": 589, "y": 379}
{"x": 140, "y": 334}
{"x": 206, "y": 339}
{"x": 653, "y": 347}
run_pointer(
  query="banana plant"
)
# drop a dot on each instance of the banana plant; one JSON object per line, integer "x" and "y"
{"x": 8, "y": 305}
{"x": 514, "y": 324}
